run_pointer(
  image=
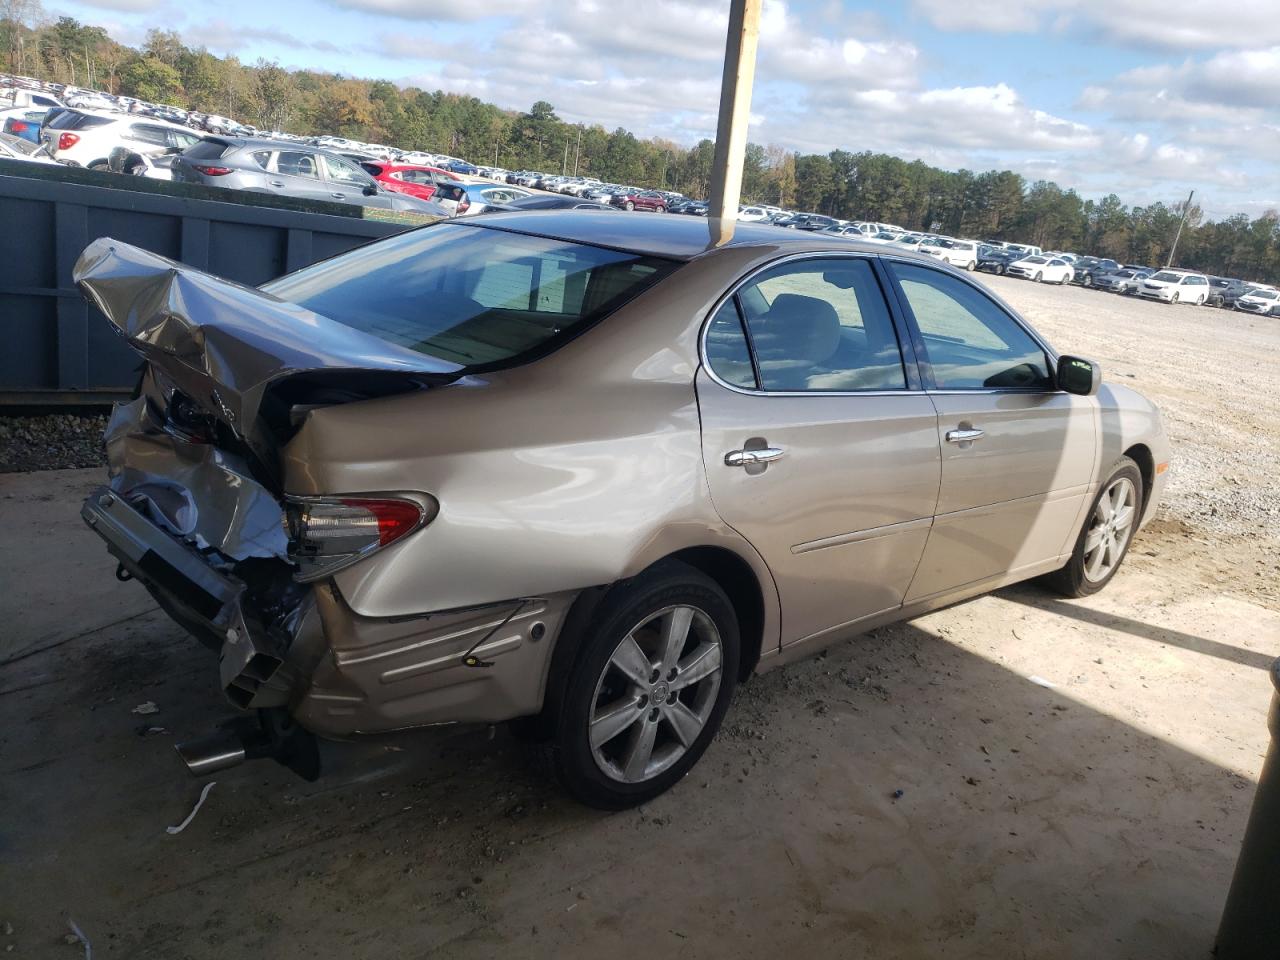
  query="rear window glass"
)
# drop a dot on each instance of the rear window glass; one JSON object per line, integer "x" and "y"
{"x": 71, "y": 120}
{"x": 474, "y": 296}
{"x": 206, "y": 150}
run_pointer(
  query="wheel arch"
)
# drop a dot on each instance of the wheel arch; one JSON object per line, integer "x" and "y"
{"x": 731, "y": 572}
{"x": 1141, "y": 454}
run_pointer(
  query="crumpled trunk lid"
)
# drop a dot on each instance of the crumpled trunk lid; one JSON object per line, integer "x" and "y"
{"x": 227, "y": 347}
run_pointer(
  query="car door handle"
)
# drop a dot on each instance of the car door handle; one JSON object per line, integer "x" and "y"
{"x": 276, "y": 183}
{"x": 749, "y": 458}
{"x": 338, "y": 196}
{"x": 964, "y": 436}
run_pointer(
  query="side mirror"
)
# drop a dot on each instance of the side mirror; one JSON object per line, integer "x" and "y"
{"x": 172, "y": 151}
{"x": 1078, "y": 376}
{"x": 369, "y": 190}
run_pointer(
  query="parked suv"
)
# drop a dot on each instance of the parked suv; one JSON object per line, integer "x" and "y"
{"x": 85, "y": 138}
{"x": 1224, "y": 291}
{"x": 289, "y": 170}
{"x": 640, "y": 200}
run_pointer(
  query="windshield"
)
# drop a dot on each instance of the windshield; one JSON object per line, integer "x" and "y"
{"x": 1264, "y": 294}
{"x": 477, "y": 297}
{"x": 1036, "y": 260}
{"x": 1166, "y": 277}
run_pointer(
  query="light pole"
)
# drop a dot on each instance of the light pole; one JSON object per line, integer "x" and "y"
{"x": 1177, "y": 236}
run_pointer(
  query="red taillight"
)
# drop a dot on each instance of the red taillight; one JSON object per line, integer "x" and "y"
{"x": 464, "y": 205}
{"x": 328, "y": 534}
{"x": 212, "y": 171}
{"x": 17, "y": 126}
{"x": 67, "y": 140}
{"x": 395, "y": 518}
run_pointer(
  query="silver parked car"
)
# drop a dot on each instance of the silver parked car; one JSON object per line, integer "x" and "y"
{"x": 291, "y": 170}
{"x": 587, "y": 473}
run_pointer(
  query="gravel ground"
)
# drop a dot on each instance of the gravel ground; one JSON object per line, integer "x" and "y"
{"x": 1016, "y": 776}
{"x": 51, "y": 442}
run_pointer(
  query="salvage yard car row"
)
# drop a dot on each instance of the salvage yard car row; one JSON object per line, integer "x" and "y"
{"x": 100, "y": 131}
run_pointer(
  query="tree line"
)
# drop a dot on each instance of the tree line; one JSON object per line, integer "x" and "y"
{"x": 863, "y": 185}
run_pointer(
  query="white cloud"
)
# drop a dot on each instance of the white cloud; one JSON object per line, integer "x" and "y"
{"x": 448, "y": 11}
{"x": 1158, "y": 24}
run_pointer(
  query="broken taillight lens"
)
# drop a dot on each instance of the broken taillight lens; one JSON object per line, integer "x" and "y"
{"x": 327, "y": 534}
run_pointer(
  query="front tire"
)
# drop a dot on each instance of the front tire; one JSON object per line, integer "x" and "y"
{"x": 653, "y": 679}
{"x": 1107, "y": 533}
{"x": 629, "y": 205}
{"x": 1039, "y": 276}
{"x": 1086, "y": 281}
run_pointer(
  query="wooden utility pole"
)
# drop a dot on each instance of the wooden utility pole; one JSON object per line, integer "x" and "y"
{"x": 576, "y": 148}
{"x": 735, "y": 108}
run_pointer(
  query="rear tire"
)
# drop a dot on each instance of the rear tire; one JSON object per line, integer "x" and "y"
{"x": 622, "y": 738}
{"x": 100, "y": 165}
{"x": 1039, "y": 276}
{"x": 1175, "y": 297}
{"x": 1086, "y": 281}
{"x": 1108, "y": 529}
{"x": 971, "y": 266}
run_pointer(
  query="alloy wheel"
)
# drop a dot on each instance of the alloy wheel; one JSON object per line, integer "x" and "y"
{"x": 656, "y": 693}
{"x": 1110, "y": 529}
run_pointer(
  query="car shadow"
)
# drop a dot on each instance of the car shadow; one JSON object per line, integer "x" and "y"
{"x": 1031, "y": 597}
{"x": 897, "y": 796}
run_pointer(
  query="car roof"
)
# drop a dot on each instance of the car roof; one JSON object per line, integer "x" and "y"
{"x": 674, "y": 237}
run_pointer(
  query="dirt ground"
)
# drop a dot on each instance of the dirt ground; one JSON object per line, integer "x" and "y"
{"x": 1017, "y": 776}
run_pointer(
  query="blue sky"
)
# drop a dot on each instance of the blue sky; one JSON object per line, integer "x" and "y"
{"x": 1144, "y": 98}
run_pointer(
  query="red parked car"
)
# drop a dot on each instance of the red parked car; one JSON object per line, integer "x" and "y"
{"x": 641, "y": 200}
{"x": 411, "y": 178}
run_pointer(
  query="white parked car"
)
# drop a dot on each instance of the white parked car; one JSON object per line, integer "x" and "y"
{"x": 753, "y": 214}
{"x": 85, "y": 138}
{"x": 1037, "y": 268}
{"x": 1025, "y": 249}
{"x": 1176, "y": 286}
{"x": 1262, "y": 300}
{"x": 958, "y": 253}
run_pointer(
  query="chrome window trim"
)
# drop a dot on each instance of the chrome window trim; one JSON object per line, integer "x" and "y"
{"x": 705, "y": 363}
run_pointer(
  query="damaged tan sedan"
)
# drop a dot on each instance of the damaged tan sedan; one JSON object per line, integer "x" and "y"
{"x": 587, "y": 473}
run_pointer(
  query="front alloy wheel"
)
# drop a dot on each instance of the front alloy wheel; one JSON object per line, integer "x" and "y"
{"x": 1110, "y": 528}
{"x": 1106, "y": 535}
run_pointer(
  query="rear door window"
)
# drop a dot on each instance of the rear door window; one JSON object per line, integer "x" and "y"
{"x": 818, "y": 325}
{"x": 295, "y": 163}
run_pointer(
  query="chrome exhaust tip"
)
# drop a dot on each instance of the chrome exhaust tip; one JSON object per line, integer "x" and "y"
{"x": 271, "y": 734}
{"x": 218, "y": 751}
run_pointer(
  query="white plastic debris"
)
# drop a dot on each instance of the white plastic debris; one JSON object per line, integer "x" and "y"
{"x": 194, "y": 810}
{"x": 1042, "y": 682}
{"x": 88, "y": 947}
{"x": 143, "y": 709}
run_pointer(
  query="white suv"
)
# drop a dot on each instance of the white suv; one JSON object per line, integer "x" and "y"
{"x": 85, "y": 138}
{"x": 1176, "y": 286}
